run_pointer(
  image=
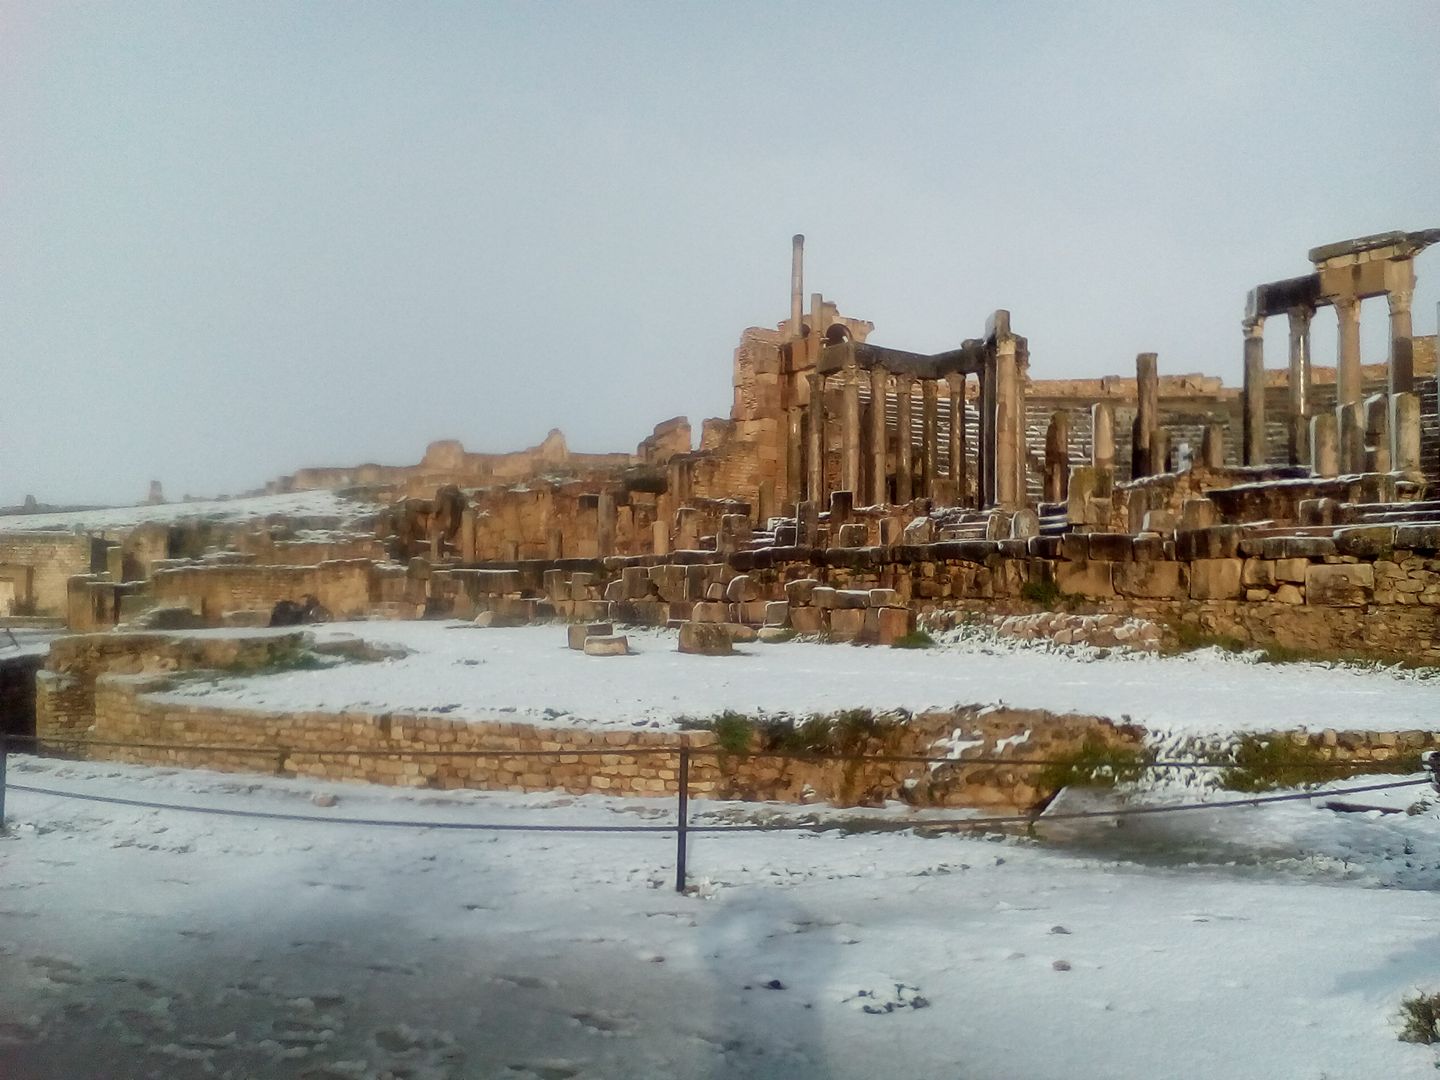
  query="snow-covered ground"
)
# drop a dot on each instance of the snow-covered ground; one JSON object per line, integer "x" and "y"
{"x": 296, "y": 504}
{"x": 156, "y": 943}
{"x": 527, "y": 674}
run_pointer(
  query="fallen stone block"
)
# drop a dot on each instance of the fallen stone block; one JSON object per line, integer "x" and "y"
{"x": 706, "y": 639}
{"x": 576, "y": 633}
{"x": 777, "y": 613}
{"x": 607, "y": 646}
{"x": 742, "y": 589}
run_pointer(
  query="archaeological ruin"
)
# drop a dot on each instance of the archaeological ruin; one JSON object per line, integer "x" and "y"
{"x": 855, "y": 493}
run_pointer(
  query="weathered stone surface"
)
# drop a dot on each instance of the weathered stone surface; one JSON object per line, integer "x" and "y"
{"x": 741, "y": 589}
{"x": 1024, "y": 524}
{"x": 1298, "y": 547}
{"x": 1289, "y": 594}
{"x": 706, "y": 639}
{"x": 884, "y": 598}
{"x": 741, "y": 633}
{"x": 1418, "y": 537}
{"x": 801, "y": 591}
{"x": 1219, "y": 542}
{"x": 853, "y": 535}
{"x": 1160, "y": 521}
{"x": 852, "y": 598}
{"x": 1339, "y": 585}
{"x": 710, "y": 611}
{"x": 1151, "y": 580}
{"x": 1291, "y": 570}
{"x": 1215, "y": 579}
{"x": 777, "y": 613}
{"x": 1365, "y": 541}
{"x": 892, "y": 624}
{"x": 773, "y": 635}
{"x": 637, "y": 582}
{"x": 847, "y": 624}
{"x": 1258, "y": 573}
{"x": 1114, "y": 547}
{"x": 823, "y": 597}
{"x": 919, "y": 531}
{"x": 607, "y": 646}
{"x": 1090, "y": 578}
{"x": 1198, "y": 513}
{"x": 807, "y": 620}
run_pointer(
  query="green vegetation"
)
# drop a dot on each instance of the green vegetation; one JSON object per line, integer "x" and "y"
{"x": 1188, "y": 638}
{"x": 1094, "y": 764}
{"x": 1420, "y": 1018}
{"x": 915, "y": 639}
{"x": 845, "y": 733}
{"x": 1044, "y": 592}
{"x": 1265, "y": 762}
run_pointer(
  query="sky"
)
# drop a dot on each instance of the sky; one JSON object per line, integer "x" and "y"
{"x": 238, "y": 239}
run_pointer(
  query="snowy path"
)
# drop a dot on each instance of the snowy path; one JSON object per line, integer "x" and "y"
{"x": 143, "y": 943}
{"x": 526, "y": 673}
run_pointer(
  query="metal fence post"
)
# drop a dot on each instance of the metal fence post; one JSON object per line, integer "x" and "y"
{"x": 681, "y": 833}
{"x": 4, "y": 750}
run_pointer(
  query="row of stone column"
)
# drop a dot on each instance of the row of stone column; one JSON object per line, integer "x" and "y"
{"x": 1376, "y": 434}
{"x": 927, "y": 469}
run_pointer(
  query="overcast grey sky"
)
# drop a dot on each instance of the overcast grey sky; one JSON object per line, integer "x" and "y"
{"x": 240, "y": 238}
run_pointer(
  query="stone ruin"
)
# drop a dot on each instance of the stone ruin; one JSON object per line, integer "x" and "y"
{"x": 939, "y": 482}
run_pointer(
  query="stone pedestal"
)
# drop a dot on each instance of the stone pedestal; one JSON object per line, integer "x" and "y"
{"x": 1377, "y": 433}
{"x": 1352, "y": 437}
{"x": 1102, "y": 436}
{"x": 1057, "y": 457}
{"x": 1212, "y": 445}
{"x": 1405, "y": 432}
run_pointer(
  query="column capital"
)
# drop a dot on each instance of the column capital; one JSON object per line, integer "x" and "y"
{"x": 1345, "y": 306}
{"x": 904, "y": 382}
{"x": 1399, "y": 299}
{"x": 1301, "y": 314}
{"x": 1254, "y": 326}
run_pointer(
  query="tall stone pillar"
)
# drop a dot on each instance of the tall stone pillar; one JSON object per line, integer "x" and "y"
{"x": 1102, "y": 436}
{"x": 850, "y": 430}
{"x": 797, "y": 284}
{"x": 605, "y": 515}
{"x": 1401, "y": 282}
{"x": 957, "y": 439}
{"x": 815, "y": 441}
{"x": 1009, "y": 489}
{"x": 1405, "y": 432}
{"x": 467, "y": 535}
{"x": 1348, "y": 386}
{"x": 1057, "y": 457}
{"x": 879, "y": 493}
{"x": 1147, "y": 413}
{"x": 929, "y": 438}
{"x": 795, "y": 453}
{"x": 1254, "y": 393}
{"x": 904, "y": 433}
{"x": 1324, "y": 445}
{"x": 1300, "y": 389}
{"x": 985, "y": 453}
{"x": 1212, "y": 445}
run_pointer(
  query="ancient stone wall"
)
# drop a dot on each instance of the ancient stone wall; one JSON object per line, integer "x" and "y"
{"x": 35, "y": 568}
{"x": 429, "y": 752}
{"x": 347, "y": 588}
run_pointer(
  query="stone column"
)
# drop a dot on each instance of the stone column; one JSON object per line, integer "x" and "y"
{"x": 929, "y": 437}
{"x": 1401, "y": 281}
{"x": 797, "y": 284}
{"x": 1254, "y": 393}
{"x": 795, "y": 453}
{"x": 957, "y": 439}
{"x": 1057, "y": 457}
{"x": 1347, "y": 374}
{"x": 1147, "y": 409}
{"x": 985, "y": 453}
{"x": 1009, "y": 492}
{"x": 850, "y": 430}
{"x": 1212, "y": 445}
{"x": 1324, "y": 445}
{"x": 904, "y": 464}
{"x": 1102, "y": 436}
{"x": 660, "y": 537}
{"x": 1405, "y": 432}
{"x": 815, "y": 440}
{"x": 605, "y": 525}
{"x": 467, "y": 535}
{"x": 1351, "y": 423}
{"x": 879, "y": 493}
{"x": 1300, "y": 384}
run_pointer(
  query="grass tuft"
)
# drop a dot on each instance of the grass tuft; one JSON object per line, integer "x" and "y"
{"x": 1420, "y": 1018}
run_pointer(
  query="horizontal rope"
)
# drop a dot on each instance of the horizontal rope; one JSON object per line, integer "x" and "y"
{"x": 912, "y": 823}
